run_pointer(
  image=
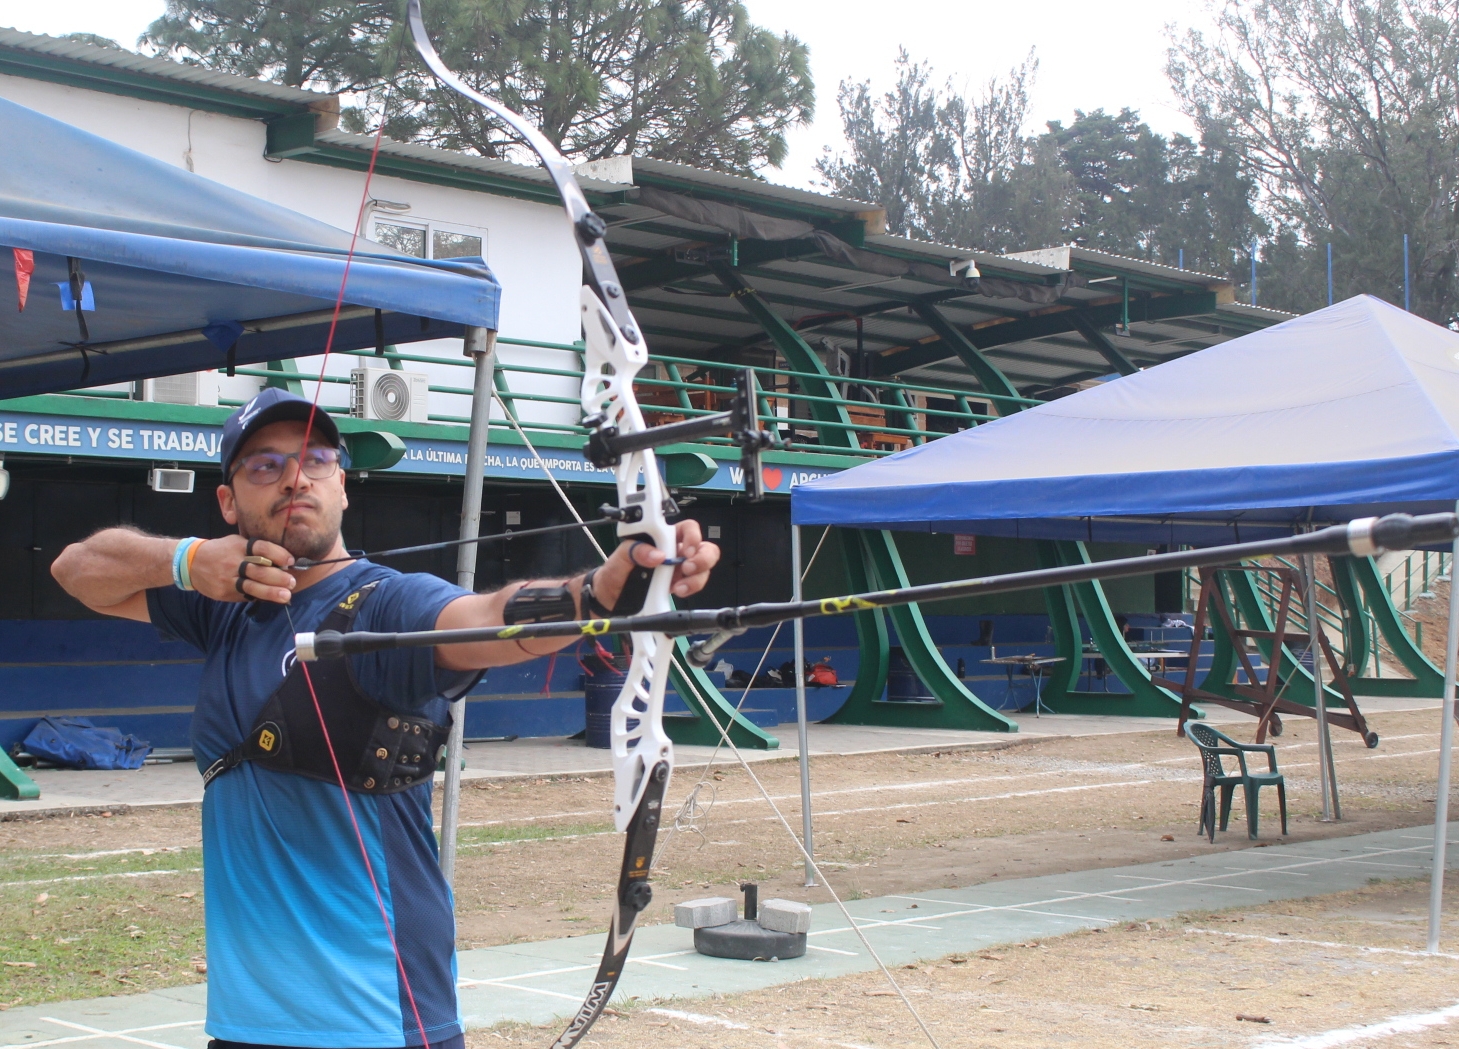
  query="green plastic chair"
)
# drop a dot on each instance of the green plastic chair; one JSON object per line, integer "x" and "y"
{"x": 1213, "y": 745}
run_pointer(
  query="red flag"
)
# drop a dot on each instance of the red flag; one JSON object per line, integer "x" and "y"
{"x": 24, "y": 267}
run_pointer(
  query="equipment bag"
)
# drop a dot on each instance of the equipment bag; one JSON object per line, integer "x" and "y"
{"x": 75, "y": 743}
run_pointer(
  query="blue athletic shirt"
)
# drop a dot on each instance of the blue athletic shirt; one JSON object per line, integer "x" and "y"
{"x": 298, "y": 953}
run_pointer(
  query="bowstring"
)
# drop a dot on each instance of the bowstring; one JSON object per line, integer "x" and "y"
{"x": 815, "y": 867}
{"x": 724, "y": 739}
{"x": 308, "y": 678}
{"x": 690, "y": 813}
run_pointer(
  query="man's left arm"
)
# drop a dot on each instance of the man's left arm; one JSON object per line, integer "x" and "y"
{"x": 484, "y": 610}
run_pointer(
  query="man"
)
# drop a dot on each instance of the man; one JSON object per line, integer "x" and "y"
{"x": 298, "y": 953}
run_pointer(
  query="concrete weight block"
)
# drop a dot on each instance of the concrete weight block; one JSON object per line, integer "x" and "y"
{"x": 785, "y": 916}
{"x": 705, "y": 913}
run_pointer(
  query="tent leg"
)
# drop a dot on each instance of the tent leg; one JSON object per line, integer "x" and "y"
{"x": 1331, "y": 807}
{"x": 480, "y": 344}
{"x": 800, "y": 718}
{"x": 1446, "y": 744}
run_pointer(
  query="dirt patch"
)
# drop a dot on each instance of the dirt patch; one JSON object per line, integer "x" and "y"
{"x": 1244, "y": 978}
{"x": 892, "y": 823}
{"x": 539, "y": 858}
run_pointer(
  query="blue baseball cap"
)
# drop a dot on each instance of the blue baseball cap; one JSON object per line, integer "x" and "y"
{"x": 272, "y": 405}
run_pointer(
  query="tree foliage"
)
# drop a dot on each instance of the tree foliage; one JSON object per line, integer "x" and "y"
{"x": 1347, "y": 113}
{"x": 692, "y": 81}
{"x": 960, "y": 169}
{"x": 334, "y": 46}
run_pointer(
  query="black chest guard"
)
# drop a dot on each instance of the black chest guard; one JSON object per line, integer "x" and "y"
{"x": 379, "y": 751}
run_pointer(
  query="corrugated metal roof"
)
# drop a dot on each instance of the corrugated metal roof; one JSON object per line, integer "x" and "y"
{"x": 162, "y": 69}
{"x": 834, "y": 293}
{"x": 445, "y": 158}
{"x": 669, "y": 174}
{"x": 1070, "y": 256}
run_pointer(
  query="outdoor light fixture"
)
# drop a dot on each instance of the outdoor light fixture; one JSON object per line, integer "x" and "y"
{"x": 4, "y": 480}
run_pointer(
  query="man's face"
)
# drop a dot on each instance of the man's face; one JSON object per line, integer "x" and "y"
{"x": 310, "y": 509}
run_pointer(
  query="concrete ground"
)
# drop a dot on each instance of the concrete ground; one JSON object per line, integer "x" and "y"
{"x": 69, "y": 791}
{"x": 545, "y": 981}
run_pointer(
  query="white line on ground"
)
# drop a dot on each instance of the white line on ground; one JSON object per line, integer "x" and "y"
{"x": 756, "y": 799}
{"x": 1212, "y": 881}
{"x": 1364, "y": 757}
{"x": 520, "y": 987}
{"x": 97, "y": 877}
{"x": 698, "y": 1018}
{"x": 981, "y": 797}
{"x": 105, "y": 852}
{"x": 105, "y": 1034}
{"x": 528, "y": 841}
{"x": 98, "y": 1032}
{"x": 467, "y": 981}
{"x": 1347, "y": 1035}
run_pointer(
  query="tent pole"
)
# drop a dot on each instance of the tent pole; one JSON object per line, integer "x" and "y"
{"x": 480, "y": 344}
{"x": 800, "y": 718}
{"x": 1325, "y": 771}
{"x": 1446, "y": 742}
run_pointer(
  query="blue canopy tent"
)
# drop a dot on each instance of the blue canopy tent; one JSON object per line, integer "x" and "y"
{"x": 177, "y": 273}
{"x": 1346, "y": 412}
{"x": 185, "y": 273}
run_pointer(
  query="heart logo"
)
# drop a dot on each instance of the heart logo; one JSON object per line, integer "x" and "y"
{"x": 771, "y": 476}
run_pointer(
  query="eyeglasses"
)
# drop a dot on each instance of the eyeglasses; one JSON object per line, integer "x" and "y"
{"x": 268, "y": 467}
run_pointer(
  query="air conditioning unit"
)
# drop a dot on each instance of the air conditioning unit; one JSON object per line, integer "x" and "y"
{"x": 187, "y": 388}
{"x": 164, "y": 480}
{"x": 380, "y": 393}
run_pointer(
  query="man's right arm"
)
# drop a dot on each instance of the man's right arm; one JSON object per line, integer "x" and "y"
{"x": 111, "y": 571}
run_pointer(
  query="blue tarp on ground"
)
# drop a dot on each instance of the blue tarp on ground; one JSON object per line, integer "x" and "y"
{"x": 168, "y": 253}
{"x": 1349, "y": 411}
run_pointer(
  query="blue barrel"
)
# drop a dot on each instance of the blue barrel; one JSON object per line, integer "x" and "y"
{"x": 903, "y": 684}
{"x": 600, "y": 692}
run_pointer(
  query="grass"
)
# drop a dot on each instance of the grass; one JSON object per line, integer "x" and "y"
{"x": 480, "y": 837}
{"x": 89, "y": 925}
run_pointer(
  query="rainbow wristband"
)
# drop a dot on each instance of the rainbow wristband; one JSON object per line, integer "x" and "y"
{"x": 180, "y": 576}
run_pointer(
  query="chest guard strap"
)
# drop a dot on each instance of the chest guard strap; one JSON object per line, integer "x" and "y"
{"x": 380, "y": 751}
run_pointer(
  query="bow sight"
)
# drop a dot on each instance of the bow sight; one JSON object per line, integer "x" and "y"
{"x": 606, "y": 447}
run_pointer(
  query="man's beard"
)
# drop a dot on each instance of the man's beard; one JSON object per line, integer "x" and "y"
{"x": 299, "y": 539}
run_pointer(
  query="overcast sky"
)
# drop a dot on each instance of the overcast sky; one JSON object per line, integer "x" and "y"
{"x": 1090, "y": 55}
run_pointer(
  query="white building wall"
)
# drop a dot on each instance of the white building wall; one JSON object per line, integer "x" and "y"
{"x": 528, "y": 246}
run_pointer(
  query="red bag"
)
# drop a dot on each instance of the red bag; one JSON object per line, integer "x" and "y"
{"x": 823, "y": 674}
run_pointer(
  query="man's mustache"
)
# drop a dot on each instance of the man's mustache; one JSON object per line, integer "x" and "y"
{"x": 305, "y": 501}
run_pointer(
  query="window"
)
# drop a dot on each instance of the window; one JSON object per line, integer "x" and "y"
{"x": 429, "y": 240}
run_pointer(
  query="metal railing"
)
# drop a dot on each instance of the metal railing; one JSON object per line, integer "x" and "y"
{"x": 893, "y": 415}
{"x": 1432, "y": 565}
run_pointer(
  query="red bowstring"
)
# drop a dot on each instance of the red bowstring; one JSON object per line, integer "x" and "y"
{"x": 308, "y": 680}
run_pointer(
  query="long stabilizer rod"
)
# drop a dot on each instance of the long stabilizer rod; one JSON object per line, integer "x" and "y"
{"x": 1361, "y": 538}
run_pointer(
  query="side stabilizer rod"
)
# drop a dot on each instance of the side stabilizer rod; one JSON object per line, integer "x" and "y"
{"x": 1362, "y": 538}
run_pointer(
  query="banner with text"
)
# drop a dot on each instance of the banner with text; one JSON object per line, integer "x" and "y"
{"x": 191, "y": 444}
